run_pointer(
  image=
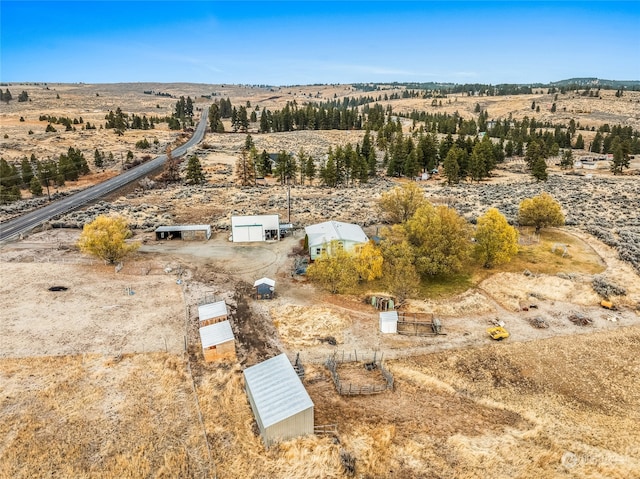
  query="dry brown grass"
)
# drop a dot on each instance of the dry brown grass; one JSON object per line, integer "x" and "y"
{"x": 91, "y": 416}
{"x": 300, "y": 326}
{"x": 563, "y": 407}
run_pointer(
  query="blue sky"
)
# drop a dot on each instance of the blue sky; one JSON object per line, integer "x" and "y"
{"x": 285, "y": 43}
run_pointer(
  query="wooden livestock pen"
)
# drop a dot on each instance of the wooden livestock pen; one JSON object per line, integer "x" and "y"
{"x": 353, "y": 376}
{"x": 218, "y": 342}
{"x": 418, "y": 324}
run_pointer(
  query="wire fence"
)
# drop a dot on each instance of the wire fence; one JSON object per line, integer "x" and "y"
{"x": 346, "y": 387}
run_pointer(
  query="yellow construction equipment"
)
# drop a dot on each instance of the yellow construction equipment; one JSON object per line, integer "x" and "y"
{"x": 498, "y": 333}
{"x": 607, "y": 304}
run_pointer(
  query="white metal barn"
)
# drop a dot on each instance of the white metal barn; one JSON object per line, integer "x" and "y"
{"x": 212, "y": 313}
{"x": 280, "y": 403}
{"x": 254, "y": 228}
{"x": 389, "y": 322}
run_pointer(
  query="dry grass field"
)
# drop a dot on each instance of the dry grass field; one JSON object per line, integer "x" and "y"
{"x": 96, "y": 382}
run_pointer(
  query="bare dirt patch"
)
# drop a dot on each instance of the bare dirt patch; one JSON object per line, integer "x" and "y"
{"x": 100, "y": 312}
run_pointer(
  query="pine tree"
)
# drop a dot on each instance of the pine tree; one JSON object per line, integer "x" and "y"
{"x": 194, "y": 174}
{"x": 98, "y": 159}
{"x": 245, "y": 169}
{"x": 310, "y": 169}
{"x": 620, "y": 156}
{"x": 264, "y": 122}
{"x": 35, "y": 187}
{"x": 567, "y": 159}
{"x": 596, "y": 145}
{"x": 451, "y": 165}
{"x": 263, "y": 165}
{"x": 302, "y": 161}
{"x": 26, "y": 171}
{"x": 215, "y": 123}
{"x": 579, "y": 142}
{"x": 285, "y": 167}
{"x": 539, "y": 169}
{"x": 328, "y": 173}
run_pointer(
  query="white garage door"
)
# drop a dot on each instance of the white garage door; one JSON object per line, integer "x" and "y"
{"x": 243, "y": 234}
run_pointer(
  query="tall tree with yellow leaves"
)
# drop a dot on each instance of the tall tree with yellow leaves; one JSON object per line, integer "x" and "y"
{"x": 496, "y": 240}
{"x": 540, "y": 211}
{"x": 105, "y": 237}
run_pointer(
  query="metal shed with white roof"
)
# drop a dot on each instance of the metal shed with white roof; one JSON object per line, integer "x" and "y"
{"x": 212, "y": 313}
{"x": 280, "y": 403}
{"x": 389, "y": 322}
{"x": 218, "y": 341}
{"x": 265, "y": 288}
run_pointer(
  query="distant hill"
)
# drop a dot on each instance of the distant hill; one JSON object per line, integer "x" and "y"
{"x": 598, "y": 82}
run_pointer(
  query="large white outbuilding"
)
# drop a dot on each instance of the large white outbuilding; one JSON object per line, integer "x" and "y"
{"x": 245, "y": 229}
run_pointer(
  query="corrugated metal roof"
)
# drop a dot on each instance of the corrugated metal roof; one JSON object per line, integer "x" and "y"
{"x": 212, "y": 310}
{"x": 276, "y": 389}
{"x": 268, "y": 281}
{"x": 334, "y": 230}
{"x": 167, "y": 229}
{"x": 215, "y": 334}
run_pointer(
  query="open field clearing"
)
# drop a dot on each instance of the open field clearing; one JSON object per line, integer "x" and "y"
{"x": 106, "y": 379}
{"x": 101, "y": 312}
{"x": 561, "y": 407}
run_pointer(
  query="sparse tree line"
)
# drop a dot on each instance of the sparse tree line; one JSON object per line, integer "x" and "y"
{"x": 427, "y": 243}
{"x": 344, "y": 165}
{"x": 483, "y": 89}
{"x": 6, "y": 96}
{"x": 441, "y": 90}
{"x": 310, "y": 117}
{"x": 33, "y": 174}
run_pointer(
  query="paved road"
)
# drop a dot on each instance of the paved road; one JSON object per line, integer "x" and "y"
{"x": 23, "y": 224}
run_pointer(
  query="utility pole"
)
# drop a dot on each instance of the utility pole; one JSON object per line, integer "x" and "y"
{"x": 289, "y": 202}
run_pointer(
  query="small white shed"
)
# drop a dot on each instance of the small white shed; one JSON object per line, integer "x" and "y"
{"x": 265, "y": 288}
{"x": 389, "y": 322}
{"x": 218, "y": 342}
{"x": 280, "y": 403}
{"x": 212, "y": 313}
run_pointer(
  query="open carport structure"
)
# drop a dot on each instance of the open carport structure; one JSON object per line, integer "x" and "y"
{"x": 184, "y": 232}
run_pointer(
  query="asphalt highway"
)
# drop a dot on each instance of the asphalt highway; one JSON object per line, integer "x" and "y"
{"x": 25, "y": 223}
